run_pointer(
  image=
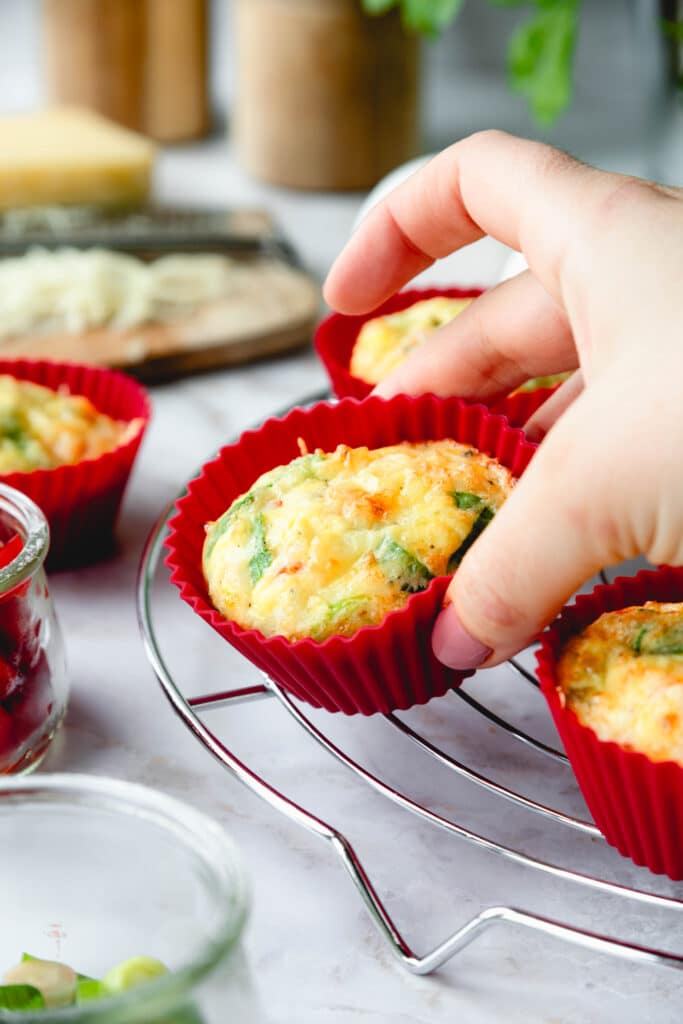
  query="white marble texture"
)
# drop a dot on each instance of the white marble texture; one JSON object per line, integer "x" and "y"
{"x": 314, "y": 954}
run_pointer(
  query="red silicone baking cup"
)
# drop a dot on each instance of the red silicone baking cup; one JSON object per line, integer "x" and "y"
{"x": 336, "y": 335}
{"x": 636, "y": 803}
{"x": 81, "y": 501}
{"x": 380, "y": 668}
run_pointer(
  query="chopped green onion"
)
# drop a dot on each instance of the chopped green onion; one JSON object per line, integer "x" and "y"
{"x": 20, "y": 997}
{"x": 337, "y": 610}
{"x": 133, "y": 972}
{"x": 220, "y": 526}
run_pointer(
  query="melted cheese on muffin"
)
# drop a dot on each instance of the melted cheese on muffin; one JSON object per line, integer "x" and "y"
{"x": 332, "y": 542}
{"x": 384, "y": 342}
{"x": 623, "y": 676}
{"x": 41, "y": 428}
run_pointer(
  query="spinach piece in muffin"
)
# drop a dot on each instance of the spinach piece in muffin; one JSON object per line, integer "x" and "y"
{"x": 402, "y": 568}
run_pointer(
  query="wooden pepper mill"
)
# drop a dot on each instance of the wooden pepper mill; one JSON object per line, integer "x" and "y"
{"x": 327, "y": 96}
{"x": 141, "y": 62}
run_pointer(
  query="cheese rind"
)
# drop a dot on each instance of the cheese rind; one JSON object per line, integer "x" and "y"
{"x": 71, "y": 156}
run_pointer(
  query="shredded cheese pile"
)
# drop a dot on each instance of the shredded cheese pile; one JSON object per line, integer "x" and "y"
{"x": 72, "y": 290}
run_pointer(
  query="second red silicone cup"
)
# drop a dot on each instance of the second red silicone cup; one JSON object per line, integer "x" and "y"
{"x": 81, "y": 501}
{"x": 636, "y": 803}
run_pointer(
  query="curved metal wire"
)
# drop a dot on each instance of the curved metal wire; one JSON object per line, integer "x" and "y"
{"x": 518, "y": 734}
{"x": 493, "y": 787}
{"x": 460, "y": 938}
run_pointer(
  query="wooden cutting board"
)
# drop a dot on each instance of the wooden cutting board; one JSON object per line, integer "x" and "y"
{"x": 274, "y": 310}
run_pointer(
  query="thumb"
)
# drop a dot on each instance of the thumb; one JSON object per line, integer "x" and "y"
{"x": 551, "y": 535}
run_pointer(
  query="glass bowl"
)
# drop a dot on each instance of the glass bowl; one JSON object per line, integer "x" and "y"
{"x": 33, "y": 683}
{"x": 96, "y": 871}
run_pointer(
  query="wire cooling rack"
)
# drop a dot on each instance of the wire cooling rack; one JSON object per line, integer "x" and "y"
{"x": 195, "y": 711}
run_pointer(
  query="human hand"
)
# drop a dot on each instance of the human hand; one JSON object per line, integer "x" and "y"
{"x": 604, "y": 296}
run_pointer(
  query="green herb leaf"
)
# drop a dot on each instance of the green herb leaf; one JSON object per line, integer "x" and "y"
{"x": 402, "y": 567}
{"x": 478, "y": 527}
{"x": 261, "y": 557}
{"x": 464, "y": 500}
{"x": 20, "y": 997}
{"x": 540, "y": 57}
{"x": 221, "y": 525}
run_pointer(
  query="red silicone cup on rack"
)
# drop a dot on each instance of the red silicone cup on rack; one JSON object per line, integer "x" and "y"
{"x": 380, "y": 668}
{"x": 636, "y": 803}
{"x": 336, "y": 335}
{"x": 81, "y": 501}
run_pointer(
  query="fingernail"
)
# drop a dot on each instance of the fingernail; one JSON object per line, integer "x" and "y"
{"x": 453, "y": 645}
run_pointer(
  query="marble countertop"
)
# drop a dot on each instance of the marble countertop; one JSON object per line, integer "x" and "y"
{"x": 313, "y": 953}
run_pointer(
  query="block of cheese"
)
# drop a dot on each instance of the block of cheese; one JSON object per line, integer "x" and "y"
{"x": 68, "y": 155}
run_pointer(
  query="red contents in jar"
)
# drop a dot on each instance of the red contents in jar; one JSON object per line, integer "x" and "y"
{"x": 26, "y": 697}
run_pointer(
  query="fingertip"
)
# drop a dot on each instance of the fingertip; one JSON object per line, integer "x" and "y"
{"x": 453, "y": 645}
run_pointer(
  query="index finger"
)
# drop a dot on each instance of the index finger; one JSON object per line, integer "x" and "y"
{"x": 525, "y": 194}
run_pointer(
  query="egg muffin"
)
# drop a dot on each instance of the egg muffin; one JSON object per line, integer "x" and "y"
{"x": 384, "y": 342}
{"x": 42, "y": 429}
{"x": 332, "y": 542}
{"x": 623, "y": 677}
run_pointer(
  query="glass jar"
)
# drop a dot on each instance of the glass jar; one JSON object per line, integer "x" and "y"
{"x": 33, "y": 685}
{"x": 96, "y": 871}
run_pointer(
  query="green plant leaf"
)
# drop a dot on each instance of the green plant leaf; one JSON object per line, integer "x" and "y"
{"x": 426, "y": 16}
{"x": 540, "y": 58}
{"x": 429, "y": 16}
{"x": 20, "y": 997}
{"x": 377, "y": 7}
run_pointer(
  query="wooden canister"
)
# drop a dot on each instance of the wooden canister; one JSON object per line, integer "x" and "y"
{"x": 142, "y": 63}
{"x": 327, "y": 96}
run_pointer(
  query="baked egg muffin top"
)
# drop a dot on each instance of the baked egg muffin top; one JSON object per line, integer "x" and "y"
{"x": 41, "y": 428}
{"x": 623, "y": 676}
{"x": 384, "y": 342}
{"x": 334, "y": 541}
